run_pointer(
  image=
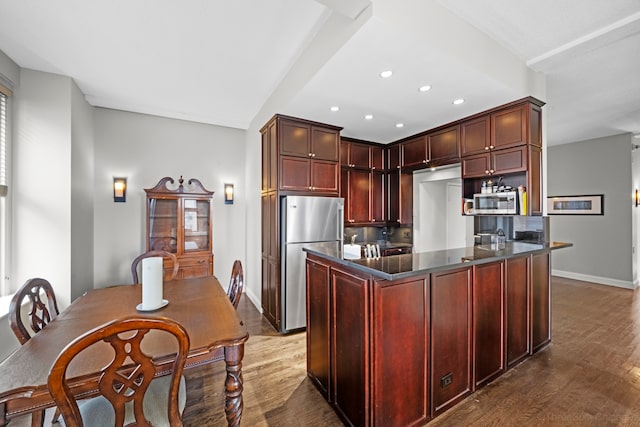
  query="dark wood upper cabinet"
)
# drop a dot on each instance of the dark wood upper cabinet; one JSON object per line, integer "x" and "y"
{"x": 325, "y": 144}
{"x": 509, "y": 127}
{"x": 475, "y": 136}
{"x": 295, "y": 138}
{"x": 300, "y": 139}
{"x": 393, "y": 157}
{"x": 361, "y": 155}
{"x": 444, "y": 146}
{"x": 377, "y": 157}
{"x": 414, "y": 152}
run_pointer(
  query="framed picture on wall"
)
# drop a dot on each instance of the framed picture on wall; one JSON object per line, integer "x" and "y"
{"x": 576, "y": 205}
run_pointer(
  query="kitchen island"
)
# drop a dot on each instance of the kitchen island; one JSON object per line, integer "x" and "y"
{"x": 397, "y": 340}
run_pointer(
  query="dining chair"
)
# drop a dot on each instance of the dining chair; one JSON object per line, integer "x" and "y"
{"x": 129, "y": 393}
{"x": 234, "y": 292}
{"x": 236, "y": 283}
{"x": 42, "y": 309}
{"x": 164, "y": 254}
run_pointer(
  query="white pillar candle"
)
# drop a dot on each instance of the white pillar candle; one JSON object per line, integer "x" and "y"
{"x": 151, "y": 283}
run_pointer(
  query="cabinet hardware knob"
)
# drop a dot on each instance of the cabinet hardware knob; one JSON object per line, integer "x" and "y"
{"x": 373, "y": 168}
{"x": 486, "y": 172}
{"x": 492, "y": 171}
{"x": 486, "y": 148}
{"x": 313, "y": 155}
{"x": 310, "y": 155}
{"x": 398, "y": 167}
{"x": 492, "y": 147}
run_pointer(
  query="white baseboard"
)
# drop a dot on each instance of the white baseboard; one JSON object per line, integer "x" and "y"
{"x": 256, "y": 300}
{"x": 595, "y": 279}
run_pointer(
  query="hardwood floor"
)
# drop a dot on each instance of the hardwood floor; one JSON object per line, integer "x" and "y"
{"x": 588, "y": 376}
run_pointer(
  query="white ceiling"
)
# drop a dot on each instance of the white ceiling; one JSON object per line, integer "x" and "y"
{"x": 220, "y": 61}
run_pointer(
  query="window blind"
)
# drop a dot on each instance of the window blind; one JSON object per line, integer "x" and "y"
{"x": 3, "y": 144}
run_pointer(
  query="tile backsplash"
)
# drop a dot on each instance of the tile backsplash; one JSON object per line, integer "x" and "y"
{"x": 393, "y": 234}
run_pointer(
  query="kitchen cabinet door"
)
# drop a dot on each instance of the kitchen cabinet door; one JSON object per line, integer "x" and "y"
{"x": 451, "y": 344}
{"x": 359, "y": 192}
{"x": 294, "y": 138}
{"x": 509, "y": 127}
{"x": 488, "y": 331}
{"x": 475, "y": 136}
{"x": 414, "y": 152}
{"x": 378, "y": 197}
{"x": 403, "y": 304}
{"x": 393, "y": 157}
{"x": 377, "y": 157}
{"x": 509, "y": 160}
{"x": 317, "y": 176}
{"x": 540, "y": 301}
{"x": 534, "y": 182}
{"x": 325, "y": 144}
{"x": 400, "y": 197}
{"x": 350, "y": 347}
{"x": 476, "y": 166}
{"x": 359, "y": 156}
{"x": 318, "y": 330}
{"x": 324, "y": 177}
{"x": 517, "y": 309}
{"x": 444, "y": 147}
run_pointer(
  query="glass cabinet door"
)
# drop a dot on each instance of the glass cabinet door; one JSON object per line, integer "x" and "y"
{"x": 196, "y": 225}
{"x": 163, "y": 222}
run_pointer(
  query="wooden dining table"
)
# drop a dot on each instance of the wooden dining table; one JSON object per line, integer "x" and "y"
{"x": 201, "y": 305}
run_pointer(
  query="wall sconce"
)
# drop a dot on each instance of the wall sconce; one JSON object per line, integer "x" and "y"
{"x": 228, "y": 194}
{"x": 119, "y": 190}
{"x": 637, "y": 198}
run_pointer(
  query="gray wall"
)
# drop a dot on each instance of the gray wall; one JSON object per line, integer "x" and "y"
{"x": 602, "y": 250}
{"x": 82, "y": 171}
{"x": 145, "y": 149}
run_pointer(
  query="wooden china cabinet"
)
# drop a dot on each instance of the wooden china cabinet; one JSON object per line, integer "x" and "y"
{"x": 179, "y": 221}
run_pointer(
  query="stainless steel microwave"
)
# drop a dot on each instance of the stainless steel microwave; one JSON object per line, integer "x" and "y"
{"x": 505, "y": 203}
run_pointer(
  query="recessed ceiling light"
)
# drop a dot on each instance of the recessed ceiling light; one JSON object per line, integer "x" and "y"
{"x": 385, "y": 74}
{"x": 424, "y": 88}
{"x": 368, "y": 116}
{"x": 399, "y": 125}
{"x": 458, "y": 101}
{"x": 335, "y": 108}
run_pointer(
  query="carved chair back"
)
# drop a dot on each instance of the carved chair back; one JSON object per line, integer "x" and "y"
{"x": 41, "y": 312}
{"x": 236, "y": 283}
{"x": 127, "y": 378}
{"x": 164, "y": 254}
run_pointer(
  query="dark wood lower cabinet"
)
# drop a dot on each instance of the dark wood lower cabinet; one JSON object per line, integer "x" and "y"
{"x": 401, "y": 352}
{"x": 450, "y": 338}
{"x": 350, "y": 347}
{"x": 488, "y": 323}
{"x": 540, "y": 300}
{"x": 318, "y": 338}
{"x": 393, "y": 373}
{"x": 517, "y": 309}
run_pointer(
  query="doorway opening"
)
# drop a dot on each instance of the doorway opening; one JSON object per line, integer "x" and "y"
{"x": 438, "y": 222}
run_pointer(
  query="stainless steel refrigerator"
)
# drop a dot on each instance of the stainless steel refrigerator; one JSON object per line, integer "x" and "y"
{"x": 307, "y": 221}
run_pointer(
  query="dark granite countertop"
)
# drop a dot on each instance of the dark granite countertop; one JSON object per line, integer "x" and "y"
{"x": 400, "y": 266}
